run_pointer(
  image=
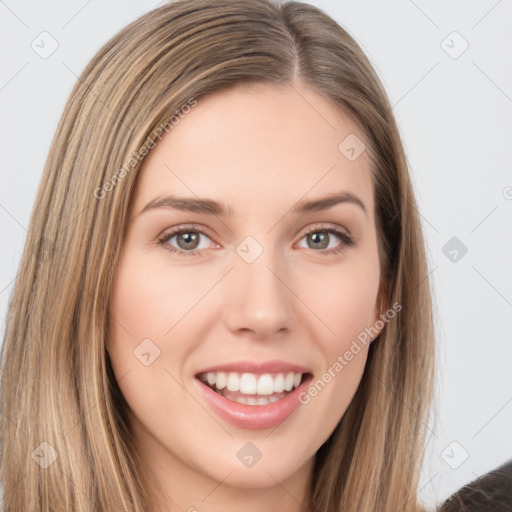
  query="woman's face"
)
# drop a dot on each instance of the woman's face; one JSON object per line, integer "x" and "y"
{"x": 235, "y": 282}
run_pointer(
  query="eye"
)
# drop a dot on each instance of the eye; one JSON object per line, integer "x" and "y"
{"x": 323, "y": 239}
{"x": 188, "y": 241}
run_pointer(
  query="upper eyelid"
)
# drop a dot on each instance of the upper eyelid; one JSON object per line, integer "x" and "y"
{"x": 183, "y": 229}
{"x": 171, "y": 233}
{"x": 326, "y": 226}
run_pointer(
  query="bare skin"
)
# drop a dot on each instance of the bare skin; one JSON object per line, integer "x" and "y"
{"x": 258, "y": 150}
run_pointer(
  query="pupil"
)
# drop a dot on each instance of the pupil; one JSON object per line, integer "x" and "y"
{"x": 321, "y": 238}
{"x": 190, "y": 240}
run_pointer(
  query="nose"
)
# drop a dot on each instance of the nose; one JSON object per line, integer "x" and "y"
{"x": 259, "y": 299}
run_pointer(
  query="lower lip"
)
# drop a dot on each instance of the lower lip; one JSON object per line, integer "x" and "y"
{"x": 253, "y": 416}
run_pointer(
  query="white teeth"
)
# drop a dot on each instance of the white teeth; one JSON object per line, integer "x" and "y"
{"x": 248, "y": 384}
{"x": 288, "y": 382}
{"x": 221, "y": 380}
{"x": 233, "y": 382}
{"x": 254, "y": 401}
{"x": 279, "y": 383}
{"x": 265, "y": 384}
{"x": 253, "y": 384}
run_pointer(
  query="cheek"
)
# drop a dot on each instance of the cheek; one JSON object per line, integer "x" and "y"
{"x": 154, "y": 309}
{"x": 138, "y": 313}
{"x": 346, "y": 309}
{"x": 149, "y": 300}
{"x": 350, "y": 311}
{"x": 147, "y": 359}
{"x": 344, "y": 300}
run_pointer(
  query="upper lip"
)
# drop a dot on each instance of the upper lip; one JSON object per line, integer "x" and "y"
{"x": 257, "y": 367}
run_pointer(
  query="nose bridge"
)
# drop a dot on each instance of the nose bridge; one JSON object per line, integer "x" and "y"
{"x": 259, "y": 299}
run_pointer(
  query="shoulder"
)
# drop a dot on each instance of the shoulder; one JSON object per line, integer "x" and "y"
{"x": 491, "y": 492}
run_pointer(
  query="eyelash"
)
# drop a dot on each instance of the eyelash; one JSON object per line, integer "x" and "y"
{"x": 347, "y": 240}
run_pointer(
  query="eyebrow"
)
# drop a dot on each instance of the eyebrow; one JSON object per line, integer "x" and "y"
{"x": 211, "y": 207}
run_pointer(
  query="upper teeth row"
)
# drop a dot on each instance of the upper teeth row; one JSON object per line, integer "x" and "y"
{"x": 252, "y": 384}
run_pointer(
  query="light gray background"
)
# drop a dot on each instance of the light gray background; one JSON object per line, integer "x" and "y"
{"x": 454, "y": 113}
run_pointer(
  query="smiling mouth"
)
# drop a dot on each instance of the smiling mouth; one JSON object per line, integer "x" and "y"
{"x": 251, "y": 388}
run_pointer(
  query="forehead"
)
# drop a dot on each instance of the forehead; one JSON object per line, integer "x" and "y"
{"x": 255, "y": 146}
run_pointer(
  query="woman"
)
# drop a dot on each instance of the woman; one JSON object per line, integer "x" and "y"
{"x": 289, "y": 363}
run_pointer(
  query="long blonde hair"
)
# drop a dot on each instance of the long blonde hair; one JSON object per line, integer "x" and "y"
{"x": 60, "y": 401}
